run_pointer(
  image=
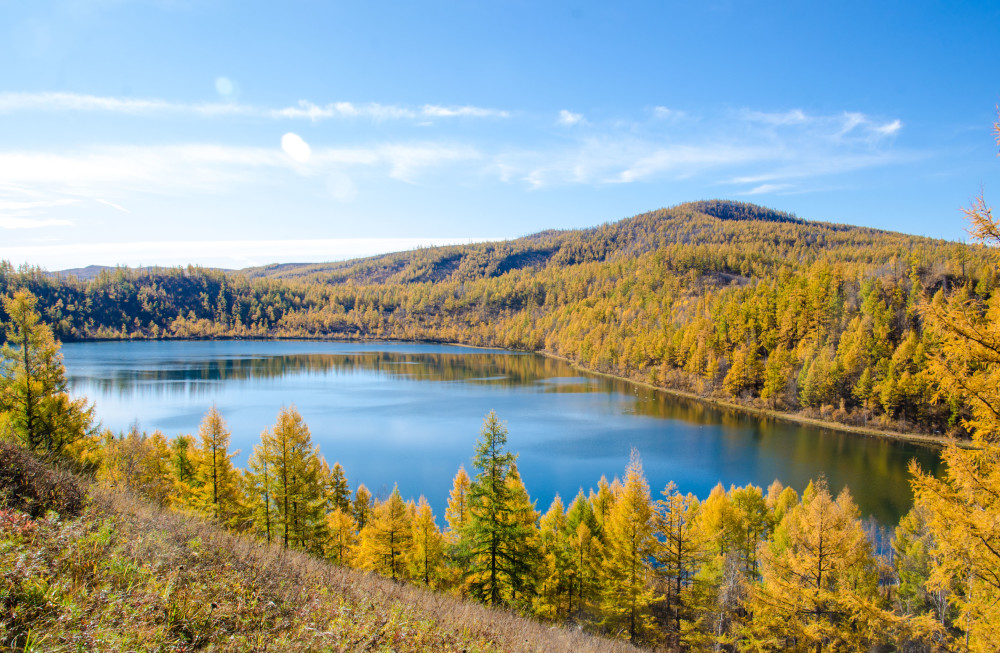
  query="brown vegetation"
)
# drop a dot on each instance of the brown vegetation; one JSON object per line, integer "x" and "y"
{"x": 128, "y": 575}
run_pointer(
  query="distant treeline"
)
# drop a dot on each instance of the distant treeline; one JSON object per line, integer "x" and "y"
{"x": 722, "y": 299}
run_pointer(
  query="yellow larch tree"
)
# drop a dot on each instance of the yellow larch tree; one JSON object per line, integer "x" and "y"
{"x": 216, "y": 483}
{"x": 386, "y": 538}
{"x": 427, "y": 549}
{"x": 630, "y": 545}
{"x": 819, "y": 581}
{"x": 342, "y": 537}
{"x": 963, "y": 505}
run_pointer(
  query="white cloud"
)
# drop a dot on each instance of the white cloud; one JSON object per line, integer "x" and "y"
{"x": 215, "y": 253}
{"x": 227, "y": 89}
{"x": 295, "y": 147}
{"x": 764, "y": 189}
{"x": 792, "y": 117}
{"x": 434, "y": 111}
{"x": 569, "y": 118}
{"x": 13, "y": 222}
{"x": 35, "y": 178}
{"x": 112, "y": 205}
{"x": 14, "y": 206}
{"x": 889, "y": 129}
{"x": 663, "y": 113}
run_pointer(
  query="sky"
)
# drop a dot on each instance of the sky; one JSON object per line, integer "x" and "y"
{"x": 238, "y": 133}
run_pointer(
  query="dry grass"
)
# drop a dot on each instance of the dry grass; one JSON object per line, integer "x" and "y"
{"x": 33, "y": 487}
{"x": 127, "y": 575}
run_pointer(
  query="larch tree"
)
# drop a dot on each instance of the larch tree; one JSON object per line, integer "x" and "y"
{"x": 363, "y": 506}
{"x": 295, "y": 482}
{"x": 630, "y": 545}
{"x": 336, "y": 489}
{"x": 258, "y": 483}
{"x": 819, "y": 588}
{"x": 679, "y": 554}
{"x": 341, "y": 536}
{"x": 35, "y": 406}
{"x": 427, "y": 550}
{"x": 524, "y": 543}
{"x": 586, "y": 554}
{"x": 217, "y": 484}
{"x": 386, "y": 538}
{"x": 963, "y": 505}
{"x": 555, "y": 594}
{"x": 456, "y": 514}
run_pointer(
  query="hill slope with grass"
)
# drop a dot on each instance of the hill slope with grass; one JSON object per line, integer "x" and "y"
{"x": 84, "y": 567}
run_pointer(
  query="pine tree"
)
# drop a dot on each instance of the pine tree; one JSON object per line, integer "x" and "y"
{"x": 35, "y": 406}
{"x": 487, "y": 540}
{"x": 630, "y": 545}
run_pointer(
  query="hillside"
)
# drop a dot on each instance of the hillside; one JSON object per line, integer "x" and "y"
{"x": 719, "y": 299}
{"x": 91, "y": 568}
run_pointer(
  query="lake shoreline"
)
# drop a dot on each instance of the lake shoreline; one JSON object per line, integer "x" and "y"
{"x": 912, "y": 438}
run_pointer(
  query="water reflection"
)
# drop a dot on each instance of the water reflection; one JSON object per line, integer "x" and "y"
{"x": 411, "y": 413}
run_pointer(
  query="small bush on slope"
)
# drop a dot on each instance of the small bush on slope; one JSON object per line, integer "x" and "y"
{"x": 30, "y": 486}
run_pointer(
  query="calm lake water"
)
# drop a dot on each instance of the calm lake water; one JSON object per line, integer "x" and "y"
{"x": 411, "y": 414}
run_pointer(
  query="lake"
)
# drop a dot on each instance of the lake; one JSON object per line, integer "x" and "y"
{"x": 410, "y": 414}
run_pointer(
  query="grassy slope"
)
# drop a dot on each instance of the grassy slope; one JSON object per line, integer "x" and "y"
{"x": 126, "y": 575}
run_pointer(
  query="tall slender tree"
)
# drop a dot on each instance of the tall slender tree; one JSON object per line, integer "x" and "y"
{"x": 486, "y": 540}
{"x": 35, "y": 406}
{"x": 295, "y": 481}
{"x": 630, "y": 545}
{"x": 217, "y": 492}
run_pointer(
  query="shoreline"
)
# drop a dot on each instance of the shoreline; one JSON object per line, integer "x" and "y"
{"x": 919, "y": 439}
{"x": 912, "y": 438}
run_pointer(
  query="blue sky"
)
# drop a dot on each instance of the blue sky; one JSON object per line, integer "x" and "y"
{"x": 237, "y": 133}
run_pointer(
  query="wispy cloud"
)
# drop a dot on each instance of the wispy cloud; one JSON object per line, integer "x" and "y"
{"x": 13, "y": 222}
{"x": 219, "y": 253}
{"x": 38, "y": 182}
{"x": 664, "y": 113}
{"x": 434, "y": 111}
{"x": 765, "y": 189}
{"x": 303, "y": 110}
{"x": 766, "y": 149}
{"x": 24, "y": 214}
{"x": 569, "y": 118}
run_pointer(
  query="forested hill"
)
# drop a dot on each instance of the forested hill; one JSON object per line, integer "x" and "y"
{"x": 717, "y": 298}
